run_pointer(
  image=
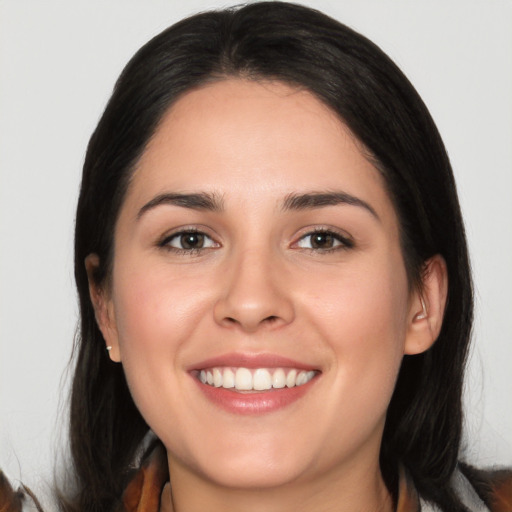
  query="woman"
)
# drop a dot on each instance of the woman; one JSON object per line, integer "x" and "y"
{"x": 269, "y": 242}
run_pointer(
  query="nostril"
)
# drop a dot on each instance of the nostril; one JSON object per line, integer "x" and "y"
{"x": 268, "y": 320}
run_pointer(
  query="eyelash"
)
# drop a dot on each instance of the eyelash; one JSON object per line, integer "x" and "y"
{"x": 343, "y": 241}
{"x": 165, "y": 242}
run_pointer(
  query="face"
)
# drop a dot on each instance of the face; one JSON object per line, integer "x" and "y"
{"x": 259, "y": 302}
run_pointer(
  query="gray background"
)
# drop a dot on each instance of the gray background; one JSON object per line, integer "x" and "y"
{"x": 58, "y": 63}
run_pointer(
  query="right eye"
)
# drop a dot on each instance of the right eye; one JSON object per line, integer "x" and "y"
{"x": 188, "y": 241}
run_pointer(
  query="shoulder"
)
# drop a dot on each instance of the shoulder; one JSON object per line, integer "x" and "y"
{"x": 476, "y": 489}
{"x": 10, "y": 500}
{"x": 492, "y": 486}
{"x": 20, "y": 500}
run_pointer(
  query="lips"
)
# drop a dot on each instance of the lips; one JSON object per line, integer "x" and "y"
{"x": 253, "y": 384}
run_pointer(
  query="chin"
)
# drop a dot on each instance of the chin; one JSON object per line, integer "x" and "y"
{"x": 255, "y": 465}
{"x": 257, "y": 476}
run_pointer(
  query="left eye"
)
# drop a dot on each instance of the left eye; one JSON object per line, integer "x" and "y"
{"x": 323, "y": 240}
{"x": 189, "y": 241}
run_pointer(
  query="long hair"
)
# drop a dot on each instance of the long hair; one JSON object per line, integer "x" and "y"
{"x": 356, "y": 80}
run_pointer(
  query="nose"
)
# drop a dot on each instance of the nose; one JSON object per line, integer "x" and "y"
{"x": 255, "y": 294}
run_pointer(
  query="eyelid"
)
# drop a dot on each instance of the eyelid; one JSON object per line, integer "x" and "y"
{"x": 346, "y": 240}
{"x": 164, "y": 240}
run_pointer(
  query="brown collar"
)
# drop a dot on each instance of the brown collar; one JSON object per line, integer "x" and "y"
{"x": 149, "y": 490}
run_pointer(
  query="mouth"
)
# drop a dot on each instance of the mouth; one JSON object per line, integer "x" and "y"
{"x": 254, "y": 379}
{"x": 253, "y": 384}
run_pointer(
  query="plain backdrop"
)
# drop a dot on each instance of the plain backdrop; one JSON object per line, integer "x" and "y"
{"x": 58, "y": 63}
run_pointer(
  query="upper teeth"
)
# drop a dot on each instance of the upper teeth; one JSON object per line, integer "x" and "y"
{"x": 258, "y": 379}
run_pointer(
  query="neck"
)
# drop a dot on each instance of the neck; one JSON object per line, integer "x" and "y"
{"x": 338, "y": 491}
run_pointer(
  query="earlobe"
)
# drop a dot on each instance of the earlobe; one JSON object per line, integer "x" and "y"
{"x": 427, "y": 307}
{"x": 103, "y": 309}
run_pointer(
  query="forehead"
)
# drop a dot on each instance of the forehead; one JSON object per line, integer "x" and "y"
{"x": 238, "y": 136}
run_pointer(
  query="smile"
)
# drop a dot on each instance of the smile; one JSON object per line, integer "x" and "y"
{"x": 253, "y": 384}
{"x": 254, "y": 379}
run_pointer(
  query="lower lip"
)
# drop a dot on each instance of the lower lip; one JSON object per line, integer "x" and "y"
{"x": 254, "y": 402}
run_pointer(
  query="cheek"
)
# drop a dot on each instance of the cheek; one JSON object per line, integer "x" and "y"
{"x": 156, "y": 313}
{"x": 362, "y": 308}
{"x": 363, "y": 315}
{"x": 156, "y": 309}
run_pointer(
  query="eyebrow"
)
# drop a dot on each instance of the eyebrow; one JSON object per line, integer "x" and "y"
{"x": 314, "y": 200}
{"x": 213, "y": 202}
{"x": 197, "y": 201}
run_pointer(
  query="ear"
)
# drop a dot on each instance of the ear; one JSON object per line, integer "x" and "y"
{"x": 103, "y": 308}
{"x": 426, "y": 312}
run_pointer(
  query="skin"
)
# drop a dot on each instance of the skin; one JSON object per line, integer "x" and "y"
{"x": 259, "y": 286}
